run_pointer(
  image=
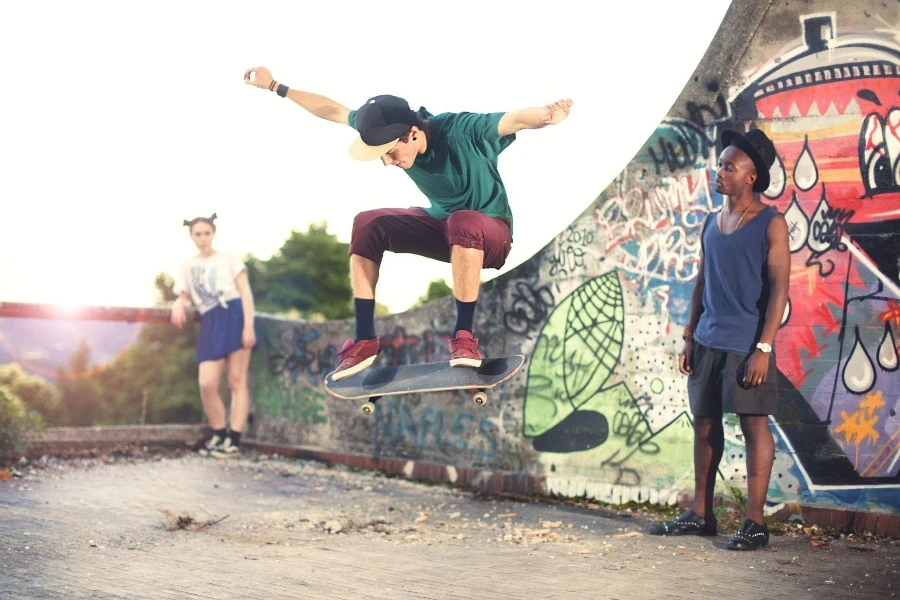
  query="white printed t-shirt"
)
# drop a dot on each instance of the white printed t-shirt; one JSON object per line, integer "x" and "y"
{"x": 210, "y": 279}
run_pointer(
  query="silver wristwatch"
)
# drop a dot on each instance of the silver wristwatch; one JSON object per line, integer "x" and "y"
{"x": 766, "y": 348}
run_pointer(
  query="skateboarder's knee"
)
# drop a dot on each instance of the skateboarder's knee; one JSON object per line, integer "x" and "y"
{"x": 466, "y": 224}
{"x": 362, "y": 222}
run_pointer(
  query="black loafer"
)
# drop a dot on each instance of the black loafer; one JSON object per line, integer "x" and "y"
{"x": 687, "y": 523}
{"x": 751, "y": 536}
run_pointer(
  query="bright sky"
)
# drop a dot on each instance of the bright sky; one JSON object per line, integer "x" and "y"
{"x": 121, "y": 119}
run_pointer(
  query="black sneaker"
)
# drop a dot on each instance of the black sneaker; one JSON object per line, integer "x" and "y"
{"x": 226, "y": 450}
{"x": 687, "y": 523}
{"x": 751, "y": 536}
{"x": 210, "y": 445}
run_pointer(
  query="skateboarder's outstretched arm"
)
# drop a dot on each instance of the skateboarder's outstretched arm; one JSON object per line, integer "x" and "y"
{"x": 320, "y": 106}
{"x": 534, "y": 118}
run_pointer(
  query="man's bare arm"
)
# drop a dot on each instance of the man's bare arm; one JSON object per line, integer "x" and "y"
{"x": 779, "y": 265}
{"x": 686, "y": 356}
{"x": 318, "y": 105}
{"x": 697, "y": 295}
{"x": 533, "y": 118}
{"x": 321, "y": 106}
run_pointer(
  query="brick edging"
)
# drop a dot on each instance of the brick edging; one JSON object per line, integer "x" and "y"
{"x": 845, "y": 520}
{"x": 516, "y": 483}
{"x": 69, "y": 439}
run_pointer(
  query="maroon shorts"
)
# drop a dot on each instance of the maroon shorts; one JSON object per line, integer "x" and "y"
{"x": 414, "y": 231}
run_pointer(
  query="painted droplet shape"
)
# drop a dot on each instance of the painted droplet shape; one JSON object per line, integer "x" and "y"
{"x": 892, "y": 140}
{"x": 787, "y": 313}
{"x": 806, "y": 174}
{"x": 798, "y": 225}
{"x": 777, "y": 179}
{"x": 818, "y": 227}
{"x": 859, "y": 372}
{"x": 887, "y": 350}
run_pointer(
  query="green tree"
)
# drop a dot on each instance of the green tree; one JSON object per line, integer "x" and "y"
{"x": 36, "y": 393}
{"x": 160, "y": 365}
{"x": 16, "y": 422}
{"x": 308, "y": 276}
{"x": 436, "y": 289}
{"x": 79, "y": 401}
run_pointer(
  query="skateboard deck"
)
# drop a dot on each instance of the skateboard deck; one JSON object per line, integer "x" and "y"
{"x": 375, "y": 382}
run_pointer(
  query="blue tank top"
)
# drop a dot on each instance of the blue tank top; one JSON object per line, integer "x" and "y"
{"x": 736, "y": 292}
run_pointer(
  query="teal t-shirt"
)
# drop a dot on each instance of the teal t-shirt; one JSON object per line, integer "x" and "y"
{"x": 459, "y": 169}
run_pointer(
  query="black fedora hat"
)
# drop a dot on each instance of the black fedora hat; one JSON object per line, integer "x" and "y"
{"x": 758, "y": 147}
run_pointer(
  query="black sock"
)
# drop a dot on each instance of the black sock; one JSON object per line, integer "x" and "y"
{"x": 365, "y": 319}
{"x": 221, "y": 433}
{"x": 235, "y": 438}
{"x": 465, "y": 314}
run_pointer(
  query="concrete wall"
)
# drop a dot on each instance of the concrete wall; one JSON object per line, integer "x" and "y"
{"x": 600, "y": 409}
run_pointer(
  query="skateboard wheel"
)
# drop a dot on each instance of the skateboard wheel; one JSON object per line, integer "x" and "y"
{"x": 480, "y": 398}
{"x": 367, "y": 409}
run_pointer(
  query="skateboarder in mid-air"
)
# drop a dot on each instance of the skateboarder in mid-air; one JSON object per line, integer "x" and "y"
{"x": 452, "y": 159}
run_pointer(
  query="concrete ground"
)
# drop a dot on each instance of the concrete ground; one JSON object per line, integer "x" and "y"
{"x": 139, "y": 528}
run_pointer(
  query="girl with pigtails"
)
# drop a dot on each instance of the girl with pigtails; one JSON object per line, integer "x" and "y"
{"x": 216, "y": 282}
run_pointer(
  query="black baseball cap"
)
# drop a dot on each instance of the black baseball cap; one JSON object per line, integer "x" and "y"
{"x": 757, "y": 145}
{"x": 380, "y": 123}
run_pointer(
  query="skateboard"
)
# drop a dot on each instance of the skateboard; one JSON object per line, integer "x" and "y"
{"x": 374, "y": 382}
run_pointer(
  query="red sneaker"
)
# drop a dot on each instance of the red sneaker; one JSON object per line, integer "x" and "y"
{"x": 356, "y": 356}
{"x": 464, "y": 350}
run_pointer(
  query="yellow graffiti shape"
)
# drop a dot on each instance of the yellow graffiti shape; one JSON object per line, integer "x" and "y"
{"x": 857, "y": 428}
{"x": 808, "y": 272}
{"x": 872, "y": 402}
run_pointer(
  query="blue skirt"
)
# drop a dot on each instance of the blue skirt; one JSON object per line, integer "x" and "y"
{"x": 220, "y": 331}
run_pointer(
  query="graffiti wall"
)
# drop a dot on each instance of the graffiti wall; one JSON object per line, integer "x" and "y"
{"x": 291, "y": 407}
{"x": 600, "y": 409}
{"x": 828, "y": 98}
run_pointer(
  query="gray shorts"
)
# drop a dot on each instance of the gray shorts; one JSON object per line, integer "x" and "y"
{"x": 717, "y": 385}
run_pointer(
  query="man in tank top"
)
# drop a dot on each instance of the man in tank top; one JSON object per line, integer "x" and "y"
{"x": 736, "y": 308}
